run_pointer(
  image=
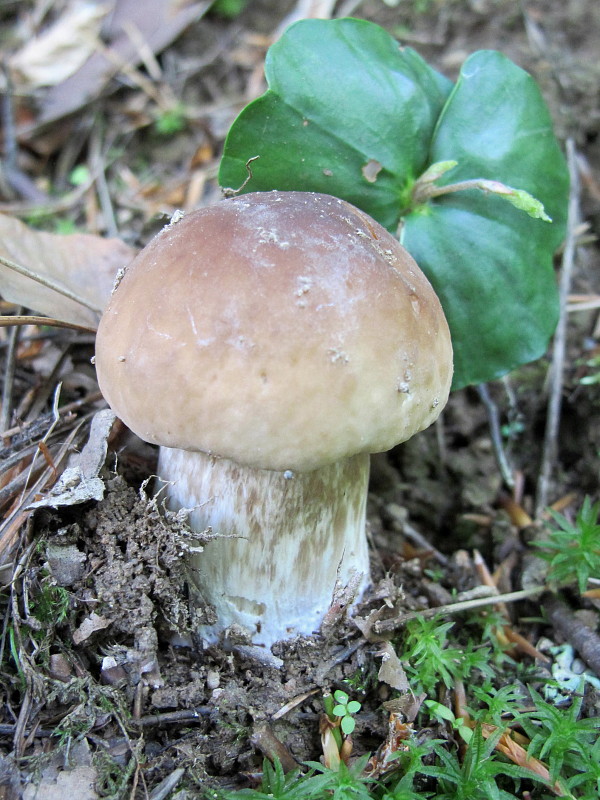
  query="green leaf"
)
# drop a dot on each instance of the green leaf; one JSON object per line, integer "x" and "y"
{"x": 339, "y": 711}
{"x": 492, "y": 266}
{"x": 353, "y": 707}
{"x": 518, "y": 198}
{"x": 351, "y": 113}
{"x": 341, "y": 696}
{"x": 348, "y": 112}
{"x": 500, "y": 311}
{"x": 347, "y": 725}
{"x": 439, "y": 710}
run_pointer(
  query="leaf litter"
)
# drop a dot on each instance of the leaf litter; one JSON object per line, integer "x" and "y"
{"x": 113, "y": 672}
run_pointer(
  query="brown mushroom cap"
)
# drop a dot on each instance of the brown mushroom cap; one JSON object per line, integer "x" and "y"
{"x": 282, "y": 330}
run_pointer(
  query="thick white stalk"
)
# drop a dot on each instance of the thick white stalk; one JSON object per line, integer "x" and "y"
{"x": 287, "y": 539}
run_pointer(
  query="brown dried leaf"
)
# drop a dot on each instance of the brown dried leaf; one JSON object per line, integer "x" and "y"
{"x": 62, "y": 48}
{"x": 78, "y": 782}
{"x": 83, "y": 263}
{"x": 158, "y": 23}
{"x": 81, "y": 481}
{"x": 89, "y": 626}
{"x": 331, "y": 752}
{"x": 59, "y": 778}
{"x": 391, "y": 670}
{"x": 518, "y": 754}
{"x": 383, "y": 760}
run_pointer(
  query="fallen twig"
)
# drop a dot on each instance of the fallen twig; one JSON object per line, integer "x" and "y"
{"x": 172, "y": 717}
{"x": 388, "y": 625}
{"x": 496, "y": 434}
{"x": 19, "y": 320}
{"x": 9, "y": 374}
{"x": 560, "y": 339}
{"x": 584, "y": 639}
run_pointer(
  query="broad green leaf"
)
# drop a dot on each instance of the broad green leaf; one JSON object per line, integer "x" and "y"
{"x": 496, "y": 125}
{"x": 490, "y": 264}
{"x": 348, "y": 112}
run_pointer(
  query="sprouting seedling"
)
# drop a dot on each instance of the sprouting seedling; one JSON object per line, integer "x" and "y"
{"x": 345, "y": 708}
{"x": 443, "y": 714}
{"x": 425, "y": 188}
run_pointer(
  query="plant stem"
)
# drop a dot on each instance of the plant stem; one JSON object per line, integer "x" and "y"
{"x": 560, "y": 338}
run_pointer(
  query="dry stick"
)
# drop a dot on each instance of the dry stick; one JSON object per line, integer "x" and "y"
{"x": 496, "y": 434}
{"x": 186, "y": 715}
{"x": 9, "y": 374}
{"x": 53, "y": 206}
{"x": 20, "y": 482}
{"x": 387, "y": 625}
{"x": 270, "y": 746}
{"x": 99, "y": 169}
{"x": 166, "y": 786}
{"x": 18, "y": 320}
{"x": 8, "y": 120}
{"x": 9, "y": 528}
{"x": 8, "y": 729}
{"x": 560, "y": 337}
{"x": 33, "y": 428}
{"x": 584, "y": 639}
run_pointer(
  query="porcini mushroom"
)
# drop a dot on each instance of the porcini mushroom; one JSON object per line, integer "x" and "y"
{"x": 269, "y": 343}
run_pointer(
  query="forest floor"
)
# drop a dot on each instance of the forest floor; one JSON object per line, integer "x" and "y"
{"x": 96, "y": 698}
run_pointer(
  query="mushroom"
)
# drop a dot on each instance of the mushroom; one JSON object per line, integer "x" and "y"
{"x": 269, "y": 343}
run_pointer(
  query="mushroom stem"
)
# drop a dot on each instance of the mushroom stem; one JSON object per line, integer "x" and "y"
{"x": 284, "y": 540}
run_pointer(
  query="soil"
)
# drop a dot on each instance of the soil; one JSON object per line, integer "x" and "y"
{"x": 116, "y": 670}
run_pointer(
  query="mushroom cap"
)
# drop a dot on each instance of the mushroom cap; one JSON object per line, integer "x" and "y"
{"x": 281, "y": 330}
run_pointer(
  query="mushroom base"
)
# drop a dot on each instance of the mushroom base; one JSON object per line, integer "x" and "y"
{"x": 284, "y": 541}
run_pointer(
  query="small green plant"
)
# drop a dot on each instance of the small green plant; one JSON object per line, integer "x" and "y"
{"x": 442, "y": 713}
{"x": 410, "y": 761}
{"x": 558, "y": 735}
{"x": 228, "y": 8}
{"x": 573, "y": 550}
{"x": 170, "y": 122}
{"x": 345, "y": 709}
{"x": 13, "y": 642}
{"x": 475, "y": 778}
{"x": 426, "y": 653}
{"x": 79, "y": 175}
{"x": 429, "y": 659}
{"x": 592, "y": 365}
{"x": 51, "y": 605}
{"x": 345, "y": 783}
{"x": 497, "y": 703}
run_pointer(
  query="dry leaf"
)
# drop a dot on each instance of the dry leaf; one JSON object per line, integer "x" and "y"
{"x": 518, "y": 754}
{"x": 81, "y": 482}
{"x": 62, "y": 48}
{"x": 81, "y": 262}
{"x": 158, "y": 23}
{"x": 89, "y": 626}
{"x": 384, "y": 759}
{"x": 56, "y": 780}
{"x": 78, "y": 782}
{"x": 391, "y": 670}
